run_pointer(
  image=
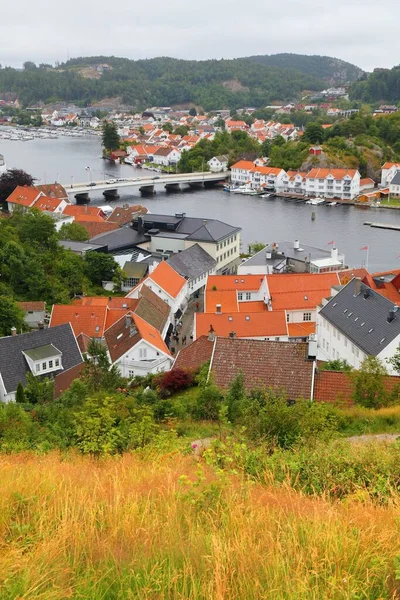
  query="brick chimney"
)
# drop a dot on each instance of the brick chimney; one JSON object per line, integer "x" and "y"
{"x": 13, "y": 331}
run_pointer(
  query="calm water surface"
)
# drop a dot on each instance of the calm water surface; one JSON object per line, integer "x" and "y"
{"x": 65, "y": 159}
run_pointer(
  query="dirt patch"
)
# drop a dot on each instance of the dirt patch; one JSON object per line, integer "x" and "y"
{"x": 374, "y": 437}
{"x": 234, "y": 85}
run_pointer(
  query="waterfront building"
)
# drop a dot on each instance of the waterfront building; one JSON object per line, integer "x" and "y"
{"x": 389, "y": 170}
{"x": 292, "y": 257}
{"x": 333, "y": 183}
{"x": 169, "y": 234}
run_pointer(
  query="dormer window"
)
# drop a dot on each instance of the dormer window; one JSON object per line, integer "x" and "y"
{"x": 44, "y": 359}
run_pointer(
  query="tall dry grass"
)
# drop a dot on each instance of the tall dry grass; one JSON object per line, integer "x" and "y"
{"x": 132, "y": 528}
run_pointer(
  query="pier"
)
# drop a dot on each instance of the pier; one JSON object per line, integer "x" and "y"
{"x": 383, "y": 225}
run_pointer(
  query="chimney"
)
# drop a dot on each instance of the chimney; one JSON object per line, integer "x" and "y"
{"x": 296, "y": 245}
{"x": 268, "y": 255}
{"x": 40, "y": 325}
{"x": 218, "y": 309}
{"x": 128, "y": 321}
{"x": 392, "y": 314}
{"x": 140, "y": 225}
{"x": 367, "y": 292}
{"x": 13, "y": 331}
{"x": 334, "y": 253}
{"x": 357, "y": 286}
{"x": 211, "y": 334}
{"x": 312, "y": 346}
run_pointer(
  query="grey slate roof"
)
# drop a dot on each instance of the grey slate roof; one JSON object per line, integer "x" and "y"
{"x": 192, "y": 262}
{"x": 194, "y": 228}
{"x": 396, "y": 178}
{"x": 288, "y": 250}
{"x": 362, "y": 316}
{"x": 124, "y": 237}
{"x": 13, "y": 364}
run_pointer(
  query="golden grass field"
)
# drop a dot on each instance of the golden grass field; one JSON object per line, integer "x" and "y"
{"x": 168, "y": 528}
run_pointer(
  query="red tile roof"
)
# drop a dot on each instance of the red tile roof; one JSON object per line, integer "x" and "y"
{"x": 168, "y": 279}
{"x": 49, "y": 204}
{"x": 389, "y": 165}
{"x": 300, "y": 290}
{"x": 35, "y": 306}
{"x": 24, "y": 195}
{"x": 64, "y": 379}
{"x": 194, "y": 355}
{"x": 84, "y": 319}
{"x": 252, "y": 325}
{"x": 97, "y": 228}
{"x": 76, "y": 210}
{"x": 53, "y": 190}
{"x": 244, "y": 165}
{"x": 319, "y": 173}
{"x": 276, "y": 365}
{"x": 234, "y": 282}
{"x": 122, "y": 215}
{"x": 301, "y": 329}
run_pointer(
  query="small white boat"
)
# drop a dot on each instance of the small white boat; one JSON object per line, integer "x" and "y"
{"x": 265, "y": 195}
{"x": 316, "y": 201}
{"x": 331, "y": 203}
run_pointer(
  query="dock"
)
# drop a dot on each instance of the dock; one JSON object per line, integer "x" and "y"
{"x": 383, "y": 225}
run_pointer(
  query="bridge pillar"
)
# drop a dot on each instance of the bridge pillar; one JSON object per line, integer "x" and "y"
{"x": 82, "y": 198}
{"x": 196, "y": 184}
{"x": 147, "y": 190}
{"x": 111, "y": 194}
{"x": 172, "y": 187}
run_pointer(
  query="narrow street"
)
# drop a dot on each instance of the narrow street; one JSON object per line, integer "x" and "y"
{"x": 187, "y": 323}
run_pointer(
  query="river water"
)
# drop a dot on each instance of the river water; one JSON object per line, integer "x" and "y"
{"x": 65, "y": 160}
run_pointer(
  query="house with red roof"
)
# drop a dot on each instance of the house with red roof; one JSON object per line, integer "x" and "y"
{"x": 168, "y": 285}
{"x": 23, "y": 197}
{"x": 268, "y": 307}
{"x": 389, "y": 170}
{"x": 52, "y": 205}
{"x": 333, "y": 183}
{"x": 287, "y": 368}
{"x": 136, "y": 347}
{"x": 247, "y": 172}
{"x": 236, "y": 125}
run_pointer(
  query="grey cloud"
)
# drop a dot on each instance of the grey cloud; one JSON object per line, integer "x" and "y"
{"x": 358, "y": 31}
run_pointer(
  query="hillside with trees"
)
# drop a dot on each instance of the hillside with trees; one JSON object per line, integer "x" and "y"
{"x": 383, "y": 85}
{"x": 211, "y": 84}
{"x": 332, "y": 70}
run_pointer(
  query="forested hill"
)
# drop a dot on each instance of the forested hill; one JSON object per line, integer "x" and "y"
{"x": 381, "y": 85}
{"x": 332, "y": 70}
{"x": 210, "y": 84}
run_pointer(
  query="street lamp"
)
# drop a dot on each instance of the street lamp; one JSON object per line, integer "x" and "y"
{"x": 72, "y": 181}
{"x": 89, "y": 170}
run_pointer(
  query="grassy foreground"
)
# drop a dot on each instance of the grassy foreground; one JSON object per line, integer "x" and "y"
{"x": 155, "y": 527}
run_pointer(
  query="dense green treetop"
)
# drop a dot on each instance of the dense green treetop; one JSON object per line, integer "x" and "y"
{"x": 161, "y": 81}
{"x": 380, "y": 86}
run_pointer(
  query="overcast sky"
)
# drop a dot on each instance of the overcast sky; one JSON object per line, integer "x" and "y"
{"x": 362, "y": 32}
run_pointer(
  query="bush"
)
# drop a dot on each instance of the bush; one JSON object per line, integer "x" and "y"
{"x": 174, "y": 381}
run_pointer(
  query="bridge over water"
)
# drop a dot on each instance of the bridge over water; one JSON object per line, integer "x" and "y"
{"x": 146, "y": 184}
